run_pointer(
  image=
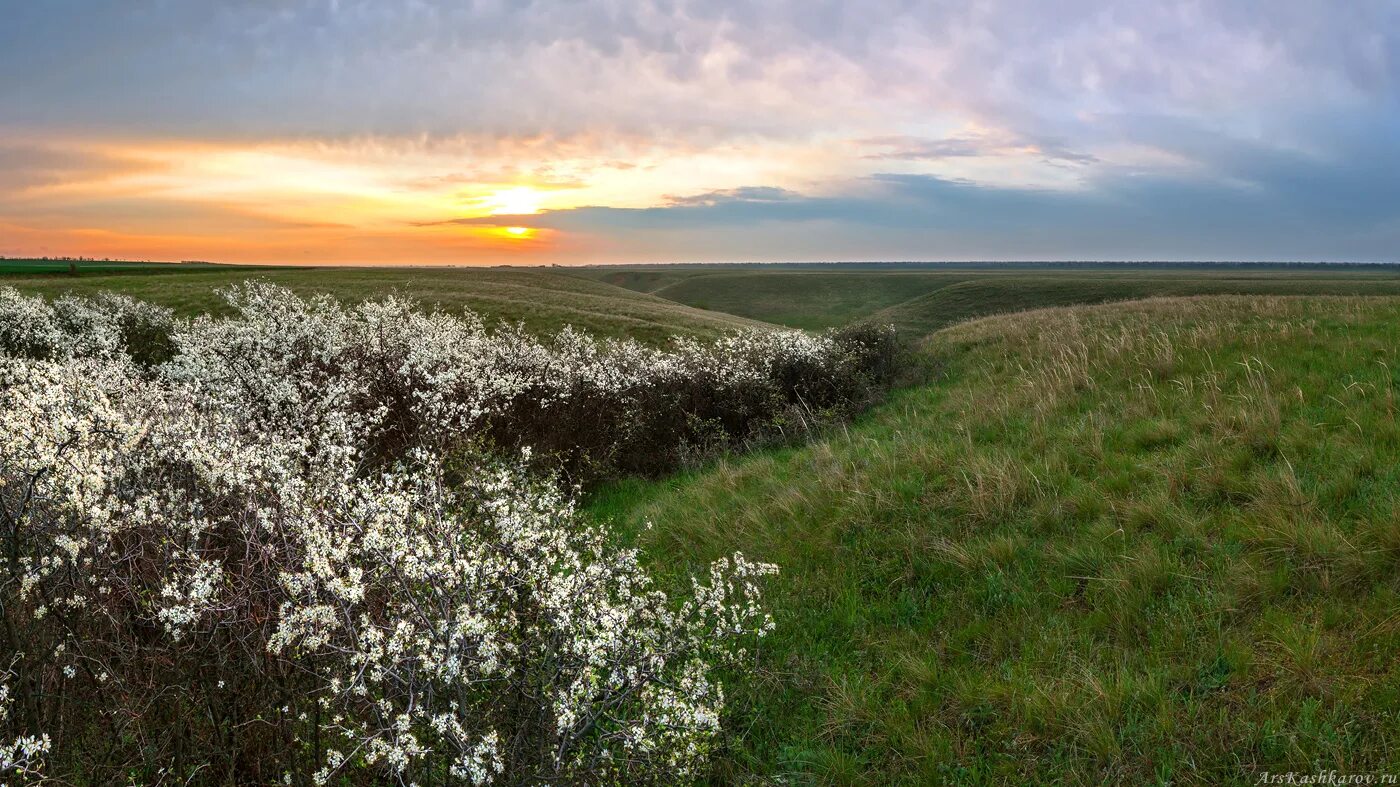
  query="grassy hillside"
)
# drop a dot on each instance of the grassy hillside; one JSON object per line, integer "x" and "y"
{"x": 543, "y": 300}
{"x": 642, "y": 278}
{"x": 1143, "y": 542}
{"x": 800, "y": 298}
{"x": 652, "y": 302}
{"x": 921, "y": 300}
{"x": 922, "y": 315}
{"x": 810, "y": 300}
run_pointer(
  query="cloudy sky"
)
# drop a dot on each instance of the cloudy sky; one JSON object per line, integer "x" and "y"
{"x": 490, "y": 131}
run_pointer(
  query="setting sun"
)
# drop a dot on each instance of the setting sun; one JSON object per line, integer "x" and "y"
{"x": 511, "y": 233}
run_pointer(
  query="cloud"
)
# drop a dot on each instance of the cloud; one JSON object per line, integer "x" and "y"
{"x": 743, "y": 194}
{"x": 979, "y": 128}
{"x": 28, "y": 165}
{"x": 1276, "y": 205}
{"x": 327, "y": 67}
{"x": 970, "y": 145}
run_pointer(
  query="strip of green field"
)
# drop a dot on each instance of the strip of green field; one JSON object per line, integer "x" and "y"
{"x": 806, "y": 300}
{"x": 796, "y": 298}
{"x": 38, "y": 267}
{"x": 543, "y": 300}
{"x": 922, "y": 300}
{"x": 1153, "y": 542}
{"x": 924, "y": 314}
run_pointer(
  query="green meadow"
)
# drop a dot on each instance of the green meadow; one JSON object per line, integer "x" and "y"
{"x": 1153, "y": 542}
{"x": 543, "y": 299}
{"x": 922, "y": 299}
{"x": 1125, "y": 525}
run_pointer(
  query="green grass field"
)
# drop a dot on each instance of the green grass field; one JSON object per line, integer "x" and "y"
{"x": 922, "y": 300}
{"x": 43, "y": 267}
{"x": 653, "y": 302}
{"x": 1153, "y": 542}
{"x": 542, "y": 299}
{"x": 924, "y": 314}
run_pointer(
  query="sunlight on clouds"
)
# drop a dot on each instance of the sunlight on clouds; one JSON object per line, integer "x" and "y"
{"x": 518, "y": 201}
{"x": 367, "y": 132}
{"x": 510, "y": 236}
{"x": 348, "y": 199}
{"x": 405, "y": 200}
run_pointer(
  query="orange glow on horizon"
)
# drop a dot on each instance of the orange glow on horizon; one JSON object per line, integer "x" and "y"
{"x": 358, "y": 202}
{"x": 512, "y": 235}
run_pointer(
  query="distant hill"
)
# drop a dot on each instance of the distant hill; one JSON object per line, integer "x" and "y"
{"x": 920, "y": 299}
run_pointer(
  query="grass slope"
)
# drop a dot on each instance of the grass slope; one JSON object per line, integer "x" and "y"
{"x": 922, "y": 300}
{"x": 543, "y": 300}
{"x": 799, "y": 298}
{"x": 641, "y": 278}
{"x": 804, "y": 299}
{"x": 922, "y": 315}
{"x": 1143, "y": 542}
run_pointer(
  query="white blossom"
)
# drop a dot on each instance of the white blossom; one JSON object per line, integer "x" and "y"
{"x": 335, "y": 512}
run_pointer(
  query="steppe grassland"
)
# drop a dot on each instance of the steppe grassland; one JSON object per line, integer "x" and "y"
{"x": 1152, "y": 541}
{"x": 543, "y": 300}
{"x": 920, "y": 300}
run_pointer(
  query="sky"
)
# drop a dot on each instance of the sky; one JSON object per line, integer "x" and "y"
{"x": 602, "y": 131}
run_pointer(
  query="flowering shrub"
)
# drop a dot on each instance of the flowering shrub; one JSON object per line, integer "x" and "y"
{"x": 181, "y": 592}
{"x": 591, "y": 407}
{"x": 411, "y": 380}
{"x": 70, "y": 326}
{"x": 21, "y": 757}
{"x": 270, "y": 546}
